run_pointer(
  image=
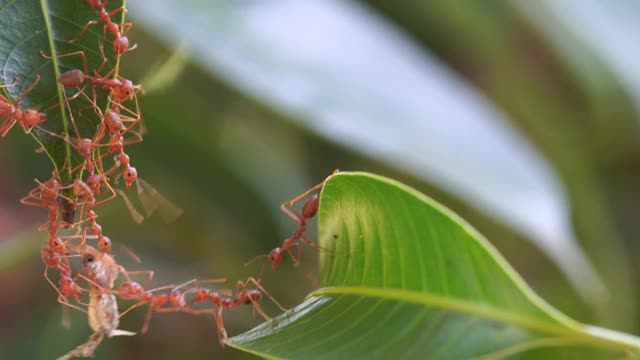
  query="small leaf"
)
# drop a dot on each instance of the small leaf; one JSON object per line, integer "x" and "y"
{"x": 32, "y": 26}
{"x": 407, "y": 278}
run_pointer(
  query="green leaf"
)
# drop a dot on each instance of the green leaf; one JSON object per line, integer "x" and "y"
{"x": 315, "y": 77}
{"x": 407, "y": 278}
{"x": 32, "y": 26}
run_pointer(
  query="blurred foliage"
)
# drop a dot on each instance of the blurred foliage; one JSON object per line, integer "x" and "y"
{"x": 229, "y": 160}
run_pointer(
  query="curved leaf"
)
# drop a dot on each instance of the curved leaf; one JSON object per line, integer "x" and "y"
{"x": 313, "y": 61}
{"x": 32, "y": 26}
{"x": 407, "y": 278}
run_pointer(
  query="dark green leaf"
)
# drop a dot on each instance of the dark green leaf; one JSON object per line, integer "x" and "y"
{"x": 31, "y": 26}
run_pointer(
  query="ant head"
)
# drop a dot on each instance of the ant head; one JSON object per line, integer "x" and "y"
{"x": 130, "y": 175}
{"x": 56, "y": 244}
{"x": 73, "y": 77}
{"x": 310, "y": 206}
{"x": 127, "y": 88}
{"x": 120, "y": 45}
{"x": 32, "y": 117}
{"x": 114, "y": 123}
{"x": 275, "y": 256}
{"x": 104, "y": 243}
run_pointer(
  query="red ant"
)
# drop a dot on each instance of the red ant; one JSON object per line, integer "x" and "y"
{"x": 120, "y": 42}
{"x": 27, "y": 118}
{"x": 56, "y": 256}
{"x": 309, "y": 210}
{"x": 121, "y": 89}
{"x": 242, "y": 297}
{"x": 132, "y": 290}
{"x": 46, "y": 196}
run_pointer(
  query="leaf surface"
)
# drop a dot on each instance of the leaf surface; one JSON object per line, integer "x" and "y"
{"x": 404, "y": 277}
{"x": 33, "y": 26}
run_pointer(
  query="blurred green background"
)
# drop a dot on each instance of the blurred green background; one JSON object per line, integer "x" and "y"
{"x": 224, "y": 146}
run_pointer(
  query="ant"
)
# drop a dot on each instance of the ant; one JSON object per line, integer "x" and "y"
{"x": 176, "y": 298}
{"x": 242, "y": 297}
{"x": 120, "y": 42}
{"x": 55, "y": 256}
{"x": 27, "y": 118}
{"x": 121, "y": 89}
{"x": 309, "y": 209}
{"x": 45, "y": 195}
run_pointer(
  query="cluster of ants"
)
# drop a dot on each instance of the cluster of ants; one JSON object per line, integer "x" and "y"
{"x": 71, "y": 207}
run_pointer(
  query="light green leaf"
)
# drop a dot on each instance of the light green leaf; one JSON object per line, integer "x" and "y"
{"x": 407, "y": 278}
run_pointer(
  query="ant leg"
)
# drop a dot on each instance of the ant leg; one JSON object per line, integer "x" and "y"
{"x": 81, "y": 53}
{"x": 46, "y": 276}
{"x": 6, "y": 126}
{"x": 84, "y": 29}
{"x": 222, "y": 333}
{"x": 63, "y": 300}
{"x": 91, "y": 282}
{"x": 15, "y": 81}
{"x": 316, "y": 246}
{"x": 295, "y": 258}
{"x": 117, "y": 10}
{"x": 291, "y": 211}
{"x": 134, "y": 306}
{"x": 147, "y": 319}
{"x": 265, "y": 292}
{"x": 149, "y": 274}
{"x": 109, "y": 198}
{"x": 125, "y": 27}
{"x": 28, "y": 90}
{"x": 34, "y": 199}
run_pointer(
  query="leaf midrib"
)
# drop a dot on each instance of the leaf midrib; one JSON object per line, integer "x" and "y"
{"x": 567, "y": 330}
{"x": 45, "y": 14}
{"x": 59, "y": 88}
